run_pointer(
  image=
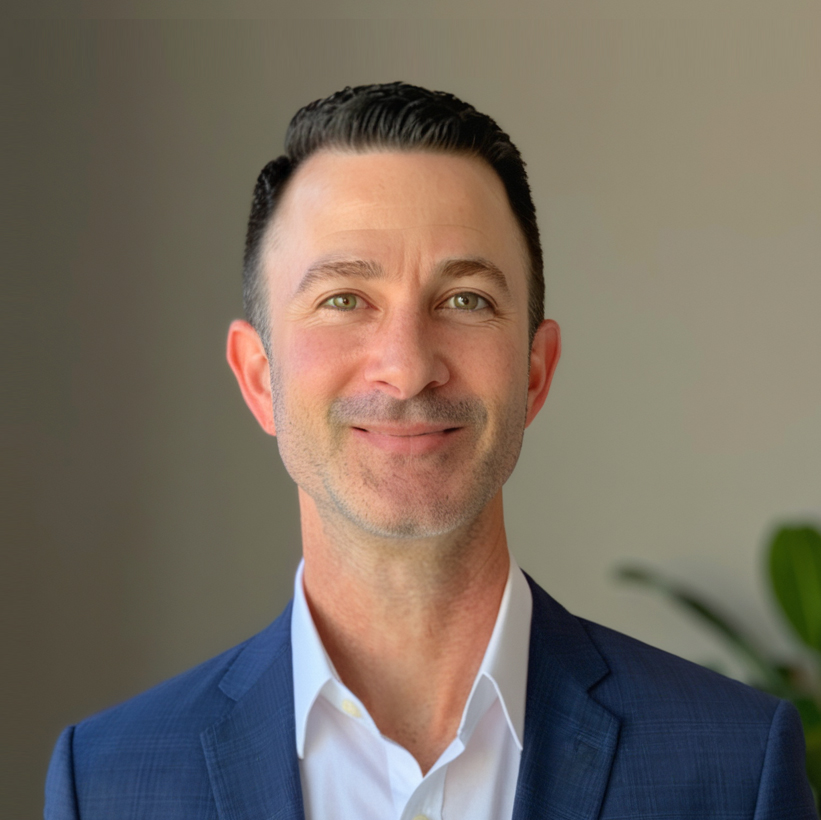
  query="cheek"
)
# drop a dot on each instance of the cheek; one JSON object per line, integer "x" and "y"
{"x": 496, "y": 366}
{"x": 316, "y": 363}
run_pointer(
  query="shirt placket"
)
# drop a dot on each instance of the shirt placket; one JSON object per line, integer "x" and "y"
{"x": 414, "y": 797}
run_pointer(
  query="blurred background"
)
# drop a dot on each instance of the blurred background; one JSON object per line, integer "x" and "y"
{"x": 673, "y": 150}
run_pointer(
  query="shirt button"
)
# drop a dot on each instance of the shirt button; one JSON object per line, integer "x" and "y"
{"x": 420, "y": 817}
{"x": 350, "y": 708}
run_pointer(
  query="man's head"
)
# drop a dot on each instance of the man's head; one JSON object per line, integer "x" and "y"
{"x": 397, "y": 360}
{"x": 393, "y": 116}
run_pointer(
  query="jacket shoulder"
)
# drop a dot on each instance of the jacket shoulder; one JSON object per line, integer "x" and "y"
{"x": 633, "y": 678}
{"x": 191, "y": 698}
{"x": 149, "y": 746}
{"x": 643, "y": 677}
{"x": 199, "y": 696}
{"x": 744, "y": 748}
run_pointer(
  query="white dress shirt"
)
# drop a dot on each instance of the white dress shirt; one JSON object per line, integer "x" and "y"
{"x": 350, "y": 771}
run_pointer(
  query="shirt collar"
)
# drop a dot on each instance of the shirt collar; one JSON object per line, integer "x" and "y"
{"x": 502, "y": 673}
{"x": 504, "y": 665}
{"x": 311, "y": 664}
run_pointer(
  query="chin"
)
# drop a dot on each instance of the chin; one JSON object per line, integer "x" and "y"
{"x": 413, "y": 519}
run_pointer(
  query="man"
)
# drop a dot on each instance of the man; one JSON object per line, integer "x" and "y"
{"x": 397, "y": 350}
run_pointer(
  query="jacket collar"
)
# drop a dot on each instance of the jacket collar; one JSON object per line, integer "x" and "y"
{"x": 569, "y": 739}
{"x": 250, "y": 754}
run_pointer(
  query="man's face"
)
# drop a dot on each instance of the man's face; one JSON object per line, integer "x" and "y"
{"x": 397, "y": 286}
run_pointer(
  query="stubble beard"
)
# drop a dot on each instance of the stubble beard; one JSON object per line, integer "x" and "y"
{"x": 402, "y": 496}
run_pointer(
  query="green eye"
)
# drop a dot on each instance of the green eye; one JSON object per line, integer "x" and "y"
{"x": 467, "y": 301}
{"x": 342, "y": 301}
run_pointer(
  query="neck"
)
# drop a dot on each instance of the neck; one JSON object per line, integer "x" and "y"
{"x": 406, "y": 622}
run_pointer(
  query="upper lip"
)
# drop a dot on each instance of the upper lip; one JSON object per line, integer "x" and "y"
{"x": 404, "y": 430}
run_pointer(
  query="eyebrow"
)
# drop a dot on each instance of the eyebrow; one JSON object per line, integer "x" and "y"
{"x": 365, "y": 269}
{"x": 474, "y": 266}
{"x": 336, "y": 268}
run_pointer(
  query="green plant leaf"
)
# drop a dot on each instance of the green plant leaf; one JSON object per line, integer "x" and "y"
{"x": 810, "y": 716}
{"x": 813, "y": 759}
{"x": 795, "y": 572}
{"x": 768, "y": 675}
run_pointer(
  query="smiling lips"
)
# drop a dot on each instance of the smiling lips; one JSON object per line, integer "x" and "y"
{"x": 406, "y": 439}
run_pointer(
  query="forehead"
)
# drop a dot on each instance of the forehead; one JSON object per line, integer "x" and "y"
{"x": 394, "y": 208}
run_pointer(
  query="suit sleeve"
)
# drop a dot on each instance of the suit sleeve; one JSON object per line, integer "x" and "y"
{"x": 61, "y": 794}
{"x": 784, "y": 792}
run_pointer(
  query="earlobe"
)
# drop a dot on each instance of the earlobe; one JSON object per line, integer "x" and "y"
{"x": 249, "y": 362}
{"x": 544, "y": 356}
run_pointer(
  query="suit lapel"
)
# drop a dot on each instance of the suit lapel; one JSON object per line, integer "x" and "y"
{"x": 569, "y": 739}
{"x": 251, "y": 753}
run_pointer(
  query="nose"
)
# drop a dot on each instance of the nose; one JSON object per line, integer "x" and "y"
{"x": 405, "y": 357}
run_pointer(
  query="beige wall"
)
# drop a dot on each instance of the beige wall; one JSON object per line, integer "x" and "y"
{"x": 675, "y": 164}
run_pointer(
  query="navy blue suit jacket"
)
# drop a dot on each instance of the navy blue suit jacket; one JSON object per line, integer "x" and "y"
{"x": 613, "y": 729}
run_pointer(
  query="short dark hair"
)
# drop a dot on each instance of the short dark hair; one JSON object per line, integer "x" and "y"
{"x": 390, "y": 116}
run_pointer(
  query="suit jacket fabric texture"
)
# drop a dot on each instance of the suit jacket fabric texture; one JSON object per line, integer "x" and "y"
{"x": 614, "y": 729}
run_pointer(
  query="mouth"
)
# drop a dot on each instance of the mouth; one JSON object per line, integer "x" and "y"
{"x": 406, "y": 430}
{"x": 407, "y": 439}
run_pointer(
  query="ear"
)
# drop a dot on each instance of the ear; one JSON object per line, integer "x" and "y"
{"x": 246, "y": 355}
{"x": 544, "y": 356}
